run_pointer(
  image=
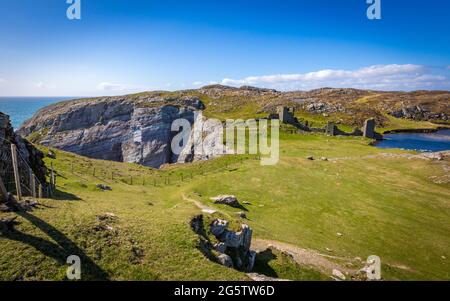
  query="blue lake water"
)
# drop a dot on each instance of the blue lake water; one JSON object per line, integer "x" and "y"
{"x": 423, "y": 142}
{"x": 20, "y": 109}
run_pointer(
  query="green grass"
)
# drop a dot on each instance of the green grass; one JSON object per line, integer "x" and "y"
{"x": 405, "y": 124}
{"x": 383, "y": 206}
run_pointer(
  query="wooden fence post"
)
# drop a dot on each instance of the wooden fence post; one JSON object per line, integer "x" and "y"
{"x": 16, "y": 171}
{"x": 32, "y": 184}
{"x": 40, "y": 191}
{"x": 54, "y": 181}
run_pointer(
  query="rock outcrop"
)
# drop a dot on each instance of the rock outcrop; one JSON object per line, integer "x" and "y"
{"x": 234, "y": 247}
{"x": 27, "y": 152}
{"x": 418, "y": 112}
{"x": 125, "y": 129}
{"x": 229, "y": 200}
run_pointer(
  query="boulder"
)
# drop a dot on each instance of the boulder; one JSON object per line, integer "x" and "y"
{"x": 218, "y": 227}
{"x": 51, "y": 154}
{"x": 229, "y": 200}
{"x": 338, "y": 275}
{"x": 220, "y": 247}
{"x": 242, "y": 215}
{"x": 104, "y": 187}
{"x": 225, "y": 260}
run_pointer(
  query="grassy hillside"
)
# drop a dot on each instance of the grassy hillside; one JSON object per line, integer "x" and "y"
{"x": 390, "y": 206}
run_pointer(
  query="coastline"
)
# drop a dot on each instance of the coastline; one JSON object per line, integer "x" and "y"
{"x": 418, "y": 131}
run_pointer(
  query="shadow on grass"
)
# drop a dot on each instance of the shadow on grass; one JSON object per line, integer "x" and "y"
{"x": 64, "y": 196}
{"x": 262, "y": 263}
{"x": 60, "y": 250}
{"x": 204, "y": 244}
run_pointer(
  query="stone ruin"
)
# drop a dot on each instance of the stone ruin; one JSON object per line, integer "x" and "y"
{"x": 369, "y": 129}
{"x": 286, "y": 115}
{"x": 331, "y": 129}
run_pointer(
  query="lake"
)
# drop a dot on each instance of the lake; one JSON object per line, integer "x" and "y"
{"x": 20, "y": 109}
{"x": 423, "y": 142}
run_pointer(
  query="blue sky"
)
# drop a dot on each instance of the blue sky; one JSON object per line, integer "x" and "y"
{"x": 120, "y": 46}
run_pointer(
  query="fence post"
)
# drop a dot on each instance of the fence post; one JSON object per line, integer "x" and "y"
{"x": 16, "y": 171}
{"x": 52, "y": 179}
{"x": 40, "y": 191}
{"x": 32, "y": 184}
{"x": 3, "y": 192}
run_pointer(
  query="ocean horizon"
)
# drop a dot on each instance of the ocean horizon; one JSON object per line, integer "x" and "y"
{"x": 20, "y": 109}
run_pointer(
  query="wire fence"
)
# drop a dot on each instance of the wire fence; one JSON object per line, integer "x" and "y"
{"x": 16, "y": 174}
{"x": 84, "y": 172}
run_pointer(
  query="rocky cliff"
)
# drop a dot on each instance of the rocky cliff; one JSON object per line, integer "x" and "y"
{"x": 135, "y": 129}
{"x": 32, "y": 156}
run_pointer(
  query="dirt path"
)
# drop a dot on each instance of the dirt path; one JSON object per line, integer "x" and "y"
{"x": 199, "y": 205}
{"x": 307, "y": 257}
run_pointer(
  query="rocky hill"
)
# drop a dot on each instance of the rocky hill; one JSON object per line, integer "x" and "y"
{"x": 351, "y": 106}
{"x": 137, "y": 128}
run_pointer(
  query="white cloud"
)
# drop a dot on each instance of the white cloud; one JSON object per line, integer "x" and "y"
{"x": 197, "y": 83}
{"x": 2, "y": 80}
{"x": 40, "y": 85}
{"x": 388, "y": 77}
{"x": 111, "y": 87}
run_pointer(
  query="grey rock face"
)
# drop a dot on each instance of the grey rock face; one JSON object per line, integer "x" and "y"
{"x": 115, "y": 128}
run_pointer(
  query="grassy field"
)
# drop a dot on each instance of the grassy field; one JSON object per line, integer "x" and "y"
{"x": 381, "y": 205}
